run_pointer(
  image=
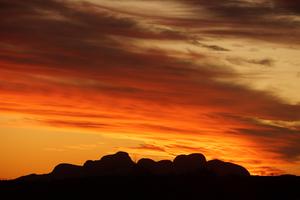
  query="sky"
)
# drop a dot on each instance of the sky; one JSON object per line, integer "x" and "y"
{"x": 83, "y": 78}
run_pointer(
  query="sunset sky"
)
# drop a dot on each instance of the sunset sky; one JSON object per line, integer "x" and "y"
{"x": 83, "y": 78}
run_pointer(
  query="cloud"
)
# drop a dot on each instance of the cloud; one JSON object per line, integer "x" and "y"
{"x": 264, "y": 62}
{"x": 150, "y": 147}
{"x": 288, "y": 5}
{"x": 285, "y": 140}
{"x": 268, "y": 21}
{"x": 211, "y": 47}
{"x": 269, "y": 171}
{"x": 234, "y": 8}
{"x": 79, "y": 65}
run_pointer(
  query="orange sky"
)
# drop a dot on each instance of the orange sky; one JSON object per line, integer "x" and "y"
{"x": 80, "y": 79}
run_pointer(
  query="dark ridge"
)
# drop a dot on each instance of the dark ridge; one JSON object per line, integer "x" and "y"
{"x": 185, "y": 164}
{"x": 120, "y": 164}
{"x": 226, "y": 168}
{"x": 118, "y": 177}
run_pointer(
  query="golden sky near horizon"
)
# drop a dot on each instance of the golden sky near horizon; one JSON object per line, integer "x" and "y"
{"x": 81, "y": 79}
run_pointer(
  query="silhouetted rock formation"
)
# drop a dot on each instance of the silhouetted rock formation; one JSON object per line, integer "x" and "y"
{"x": 221, "y": 168}
{"x": 66, "y": 171}
{"x": 147, "y": 166}
{"x": 116, "y": 164}
{"x": 120, "y": 164}
{"x": 118, "y": 177}
{"x": 187, "y": 164}
{"x": 165, "y": 167}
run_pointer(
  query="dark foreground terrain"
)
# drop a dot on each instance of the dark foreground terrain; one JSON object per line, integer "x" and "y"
{"x": 117, "y": 177}
{"x": 156, "y": 188}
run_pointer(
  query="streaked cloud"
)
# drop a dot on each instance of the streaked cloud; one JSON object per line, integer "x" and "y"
{"x": 179, "y": 80}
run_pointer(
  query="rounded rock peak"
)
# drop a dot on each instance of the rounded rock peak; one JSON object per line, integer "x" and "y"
{"x": 165, "y": 162}
{"x": 195, "y": 158}
{"x": 64, "y": 167}
{"x": 119, "y": 155}
{"x": 189, "y": 163}
{"x": 222, "y": 168}
{"x": 66, "y": 170}
{"x": 146, "y": 166}
{"x": 120, "y": 158}
{"x": 146, "y": 162}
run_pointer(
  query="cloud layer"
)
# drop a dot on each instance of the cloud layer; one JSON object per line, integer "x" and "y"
{"x": 163, "y": 80}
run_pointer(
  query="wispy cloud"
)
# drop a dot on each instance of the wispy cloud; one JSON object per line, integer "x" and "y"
{"x": 87, "y": 65}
